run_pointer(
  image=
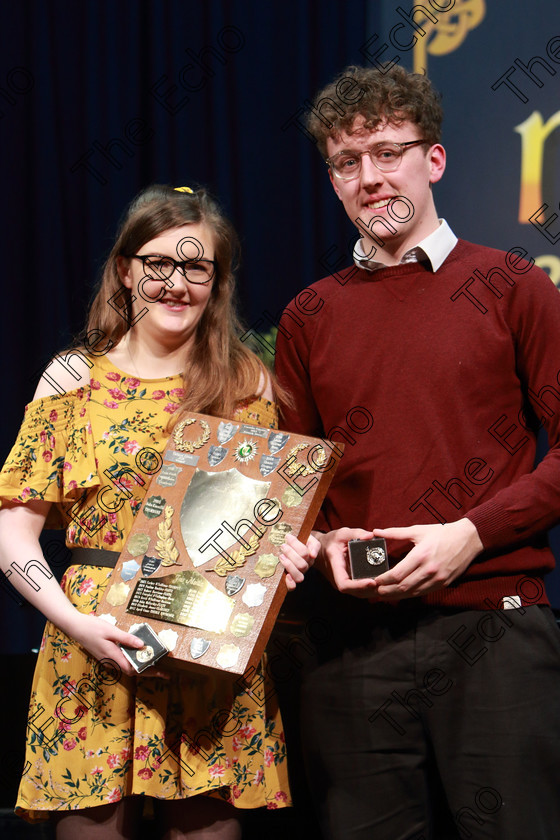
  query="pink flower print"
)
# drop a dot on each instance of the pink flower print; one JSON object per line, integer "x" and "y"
{"x": 145, "y": 773}
{"x": 47, "y": 456}
{"x": 53, "y": 416}
{"x": 281, "y": 796}
{"x": 110, "y": 404}
{"x": 95, "y": 385}
{"x": 216, "y": 770}
{"x": 271, "y": 805}
{"x": 72, "y": 484}
{"x": 86, "y": 586}
{"x": 66, "y": 656}
{"x": 171, "y": 408}
{"x": 246, "y": 731}
{"x": 67, "y": 466}
{"x": 82, "y": 733}
{"x": 43, "y": 437}
{"x": 114, "y": 377}
{"x": 113, "y": 761}
{"x": 96, "y": 770}
{"x": 177, "y": 392}
{"x": 268, "y": 757}
{"x": 131, "y": 447}
{"x": 69, "y": 745}
{"x": 51, "y": 441}
{"x": 90, "y": 754}
{"x": 259, "y": 776}
{"x": 112, "y": 517}
{"x": 236, "y": 791}
{"x": 110, "y": 538}
{"x": 158, "y": 395}
{"x": 236, "y": 743}
{"x": 125, "y": 754}
{"x": 141, "y": 753}
{"x": 69, "y": 686}
{"x": 131, "y": 382}
{"x": 117, "y": 394}
{"x": 26, "y": 492}
{"x": 114, "y": 796}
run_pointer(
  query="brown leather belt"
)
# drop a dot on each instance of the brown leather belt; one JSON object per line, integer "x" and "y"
{"x": 95, "y": 557}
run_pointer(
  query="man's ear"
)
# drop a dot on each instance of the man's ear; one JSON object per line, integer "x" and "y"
{"x": 123, "y": 270}
{"x": 437, "y": 161}
{"x": 334, "y": 184}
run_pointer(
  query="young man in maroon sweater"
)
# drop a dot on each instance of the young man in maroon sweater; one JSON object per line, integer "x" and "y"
{"x": 435, "y": 711}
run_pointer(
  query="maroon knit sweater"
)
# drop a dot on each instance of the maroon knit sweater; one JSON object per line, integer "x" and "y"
{"x": 437, "y": 383}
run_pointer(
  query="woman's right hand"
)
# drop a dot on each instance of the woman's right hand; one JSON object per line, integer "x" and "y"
{"x": 102, "y": 639}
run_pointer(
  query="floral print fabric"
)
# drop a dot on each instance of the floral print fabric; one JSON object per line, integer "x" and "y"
{"x": 95, "y": 736}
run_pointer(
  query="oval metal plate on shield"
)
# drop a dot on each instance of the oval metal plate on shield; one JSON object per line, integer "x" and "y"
{"x": 210, "y": 500}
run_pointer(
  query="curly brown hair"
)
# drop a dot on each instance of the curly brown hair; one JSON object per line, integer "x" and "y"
{"x": 394, "y": 96}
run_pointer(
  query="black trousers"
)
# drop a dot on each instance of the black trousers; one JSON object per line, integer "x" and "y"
{"x": 437, "y": 725}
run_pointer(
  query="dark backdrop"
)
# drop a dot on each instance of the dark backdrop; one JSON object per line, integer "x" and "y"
{"x": 100, "y": 97}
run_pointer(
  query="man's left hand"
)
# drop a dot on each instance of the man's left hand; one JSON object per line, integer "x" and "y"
{"x": 441, "y": 553}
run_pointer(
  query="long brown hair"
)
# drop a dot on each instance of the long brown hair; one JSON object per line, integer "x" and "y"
{"x": 220, "y": 370}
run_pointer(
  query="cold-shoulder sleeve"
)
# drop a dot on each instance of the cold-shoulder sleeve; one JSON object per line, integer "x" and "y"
{"x": 53, "y": 458}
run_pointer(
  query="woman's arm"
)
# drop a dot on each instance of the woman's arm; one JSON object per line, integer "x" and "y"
{"x": 22, "y": 561}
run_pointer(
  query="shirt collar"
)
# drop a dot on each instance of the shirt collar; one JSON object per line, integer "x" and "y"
{"x": 434, "y": 249}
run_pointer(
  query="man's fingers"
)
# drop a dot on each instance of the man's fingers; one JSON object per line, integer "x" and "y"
{"x": 409, "y": 533}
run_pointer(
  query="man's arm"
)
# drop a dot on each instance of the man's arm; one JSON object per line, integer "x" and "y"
{"x": 531, "y": 503}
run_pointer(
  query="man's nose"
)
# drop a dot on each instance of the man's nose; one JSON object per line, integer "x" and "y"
{"x": 370, "y": 175}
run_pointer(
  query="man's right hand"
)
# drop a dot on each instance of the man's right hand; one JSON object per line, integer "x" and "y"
{"x": 331, "y": 553}
{"x": 333, "y": 561}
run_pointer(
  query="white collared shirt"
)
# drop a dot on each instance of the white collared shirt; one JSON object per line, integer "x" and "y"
{"x": 435, "y": 248}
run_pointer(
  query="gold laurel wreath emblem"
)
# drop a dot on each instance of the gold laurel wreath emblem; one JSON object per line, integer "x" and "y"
{"x": 165, "y": 545}
{"x": 224, "y": 565}
{"x": 297, "y": 465}
{"x": 186, "y": 445}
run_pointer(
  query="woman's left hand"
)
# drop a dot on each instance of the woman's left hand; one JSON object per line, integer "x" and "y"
{"x": 297, "y": 558}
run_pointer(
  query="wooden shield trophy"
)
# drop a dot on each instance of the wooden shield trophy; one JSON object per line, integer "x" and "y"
{"x": 200, "y": 565}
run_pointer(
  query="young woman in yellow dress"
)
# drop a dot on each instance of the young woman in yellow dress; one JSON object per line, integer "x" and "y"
{"x": 162, "y": 339}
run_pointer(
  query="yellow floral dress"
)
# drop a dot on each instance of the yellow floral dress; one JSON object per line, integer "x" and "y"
{"x": 91, "y": 739}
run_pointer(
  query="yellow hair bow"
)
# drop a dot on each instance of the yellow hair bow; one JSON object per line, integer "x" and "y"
{"x": 183, "y": 189}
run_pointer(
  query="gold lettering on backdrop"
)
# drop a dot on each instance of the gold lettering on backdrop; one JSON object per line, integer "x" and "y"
{"x": 533, "y": 137}
{"x": 551, "y": 264}
{"x": 448, "y": 33}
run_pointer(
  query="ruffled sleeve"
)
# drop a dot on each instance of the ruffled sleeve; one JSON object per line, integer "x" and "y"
{"x": 53, "y": 458}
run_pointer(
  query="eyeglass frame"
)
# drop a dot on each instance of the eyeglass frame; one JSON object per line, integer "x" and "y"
{"x": 180, "y": 265}
{"x": 402, "y": 146}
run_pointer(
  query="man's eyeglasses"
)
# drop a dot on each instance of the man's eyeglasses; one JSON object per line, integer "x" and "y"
{"x": 347, "y": 165}
{"x": 160, "y": 268}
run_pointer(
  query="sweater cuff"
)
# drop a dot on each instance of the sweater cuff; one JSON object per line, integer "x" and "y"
{"x": 493, "y": 524}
